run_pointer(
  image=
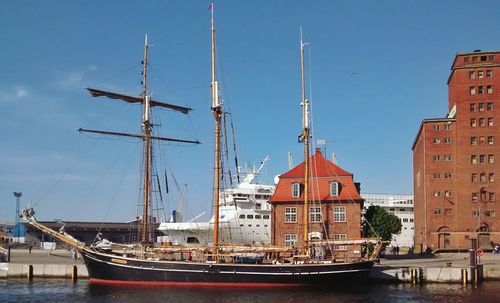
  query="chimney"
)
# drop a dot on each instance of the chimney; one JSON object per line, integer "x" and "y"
{"x": 318, "y": 150}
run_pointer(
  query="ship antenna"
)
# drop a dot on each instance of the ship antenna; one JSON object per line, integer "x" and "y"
{"x": 217, "y": 112}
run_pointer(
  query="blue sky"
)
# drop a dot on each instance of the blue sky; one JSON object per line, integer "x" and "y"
{"x": 377, "y": 69}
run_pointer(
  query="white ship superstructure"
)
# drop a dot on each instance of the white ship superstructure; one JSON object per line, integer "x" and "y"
{"x": 244, "y": 216}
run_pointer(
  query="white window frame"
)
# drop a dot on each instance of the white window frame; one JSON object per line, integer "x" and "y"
{"x": 315, "y": 214}
{"x": 334, "y": 185}
{"x": 295, "y": 190}
{"x": 290, "y": 239}
{"x": 290, "y": 214}
{"x": 339, "y": 214}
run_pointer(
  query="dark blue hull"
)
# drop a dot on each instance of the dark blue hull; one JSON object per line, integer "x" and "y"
{"x": 112, "y": 269}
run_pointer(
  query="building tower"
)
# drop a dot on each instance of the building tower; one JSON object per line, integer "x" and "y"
{"x": 456, "y": 160}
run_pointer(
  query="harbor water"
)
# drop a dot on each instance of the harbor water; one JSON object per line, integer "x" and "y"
{"x": 60, "y": 290}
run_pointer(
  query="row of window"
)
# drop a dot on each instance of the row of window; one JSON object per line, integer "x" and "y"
{"x": 481, "y": 159}
{"x": 482, "y": 122}
{"x": 480, "y": 74}
{"x": 315, "y": 215}
{"x": 447, "y": 211}
{"x": 291, "y": 240}
{"x": 446, "y": 157}
{"x": 482, "y": 177}
{"x": 445, "y": 175}
{"x": 405, "y": 220}
{"x": 447, "y": 126}
{"x": 481, "y": 58}
{"x": 481, "y": 106}
{"x": 296, "y": 189}
{"x": 437, "y": 140}
{"x": 483, "y": 196}
{"x": 438, "y": 193}
{"x": 253, "y": 217}
{"x": 481, "y": 140}
{"x": 487, "y": 213}
{"x": 481, "y": 89}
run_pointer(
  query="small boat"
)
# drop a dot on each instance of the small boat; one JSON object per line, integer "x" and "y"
{"x": 217, "y": 264}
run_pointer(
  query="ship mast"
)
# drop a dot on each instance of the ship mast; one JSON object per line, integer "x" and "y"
{"x": 217, "y": 112}
{"x": 148, "y": 152}
{"x": 146, "y": 231}
{"x": 304, "y": 137}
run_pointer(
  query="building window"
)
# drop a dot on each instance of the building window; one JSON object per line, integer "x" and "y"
{"x": 447, "y": 211}
{"x": 405, "y": 220}
{"x": 436, "y": 157}
{"x": 482, "y": 140}
{"x": 482, "y": 159}
{"x": 492, "y": 196}
{"x": 314, "y": 214}
{"x": 339, "y": 214}
{"x": 447, "y": 140}
{"x": 491, "y": 158}
{"x": 436, "y": 140}
{"x": 473, "y": 159}
{"x": 480, "y": 74}
{"x": 480, "y": 90}
{"x": 491, "y": 57}
{"x": 482, "y": 177}
{"x": 290, "y": 214}
{"x": 482, "y": 122}
{"x": 491, "y": 177}
{"x": 340, "y": 237}
{"x": 437, "y": 175}
{"x": 437, "y": 193}
{"x": 447, "y": 193}
{"x": 242, "y": 216}
{"x": 474, "y": 58}
{"x": 447, "y": 126}
{"x": 490, "y": 213}
{"x": 474, "y": 177}
{"x": 472, "y": 107}
{"x": 489, "y": 88}
{"x": 295, "y": 190}
{"x": 265, "y": 217}
{"x": 483, "y": 58}
{"x": 474, "y": 197}
{"x": 473, "y": 140}
{"x": 489, "y": 106}
{"x": 436, "y": 126}
{"x": 447, "y": 157}
{"x": 437, "y": 211}
{"x": 447, "y": 175}
{"x": 472, "y": 90}
{"x": 334, "y": 189}
{"x": 249, "y": 216}
{"x": 472, "y": 75}
{"x": 475, "y": 213}
{"x": 290, "y": 239}
{"x": 480, "y": 107}
{"x": 490, "y": 140}
{"x": 489, "y": 74}
{"x": 466, "y": 59}
{"x": 473, "y": 122}
{"x": 490, "y": 121}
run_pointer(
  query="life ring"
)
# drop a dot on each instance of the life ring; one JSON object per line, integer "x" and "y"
{"x": 479, "y": 252}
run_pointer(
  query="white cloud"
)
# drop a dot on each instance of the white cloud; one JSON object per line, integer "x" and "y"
{"x": 72, "y": 80}
{"x": 13, "y": 94}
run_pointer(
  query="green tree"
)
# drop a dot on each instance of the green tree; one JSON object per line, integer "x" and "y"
{"x": 382, "y": 223}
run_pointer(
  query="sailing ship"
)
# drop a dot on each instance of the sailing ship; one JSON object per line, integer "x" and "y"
{"x": 217, "y": 264}
{"x": 245, "y": 215}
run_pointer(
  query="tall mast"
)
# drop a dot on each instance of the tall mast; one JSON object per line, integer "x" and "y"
{"x": 217, "y": 112}
{"x": 305, "y": 138}
{"x": 146, "y": 132}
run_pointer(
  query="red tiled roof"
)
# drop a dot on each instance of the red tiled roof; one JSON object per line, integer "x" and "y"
{"x": 323, "y": 172}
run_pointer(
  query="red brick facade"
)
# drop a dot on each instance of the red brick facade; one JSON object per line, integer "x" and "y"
{"x": 339, "y": 217}
{"x": 456, "y": 160}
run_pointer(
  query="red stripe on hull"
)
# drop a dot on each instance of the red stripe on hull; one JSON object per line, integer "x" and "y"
{"x": 192, "y": 284}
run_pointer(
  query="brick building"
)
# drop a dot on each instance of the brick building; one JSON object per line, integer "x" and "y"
{"x": 335, "y": 206}
{"x": 456, "y": 160}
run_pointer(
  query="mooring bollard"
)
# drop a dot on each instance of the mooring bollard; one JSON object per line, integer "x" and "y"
{"x": 30, "y": 272}
{"x": 8, "y": 254}
{"x": 464, "y": 276}
{"x": 74, "y": 273}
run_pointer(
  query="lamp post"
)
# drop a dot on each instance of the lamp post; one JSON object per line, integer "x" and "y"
{"x": 18, "y": 195}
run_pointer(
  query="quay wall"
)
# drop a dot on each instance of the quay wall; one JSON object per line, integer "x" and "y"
{"x": 16, "y": 270}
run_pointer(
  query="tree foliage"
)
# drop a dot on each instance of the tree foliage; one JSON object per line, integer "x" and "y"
{"x": 381, "y": 223}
